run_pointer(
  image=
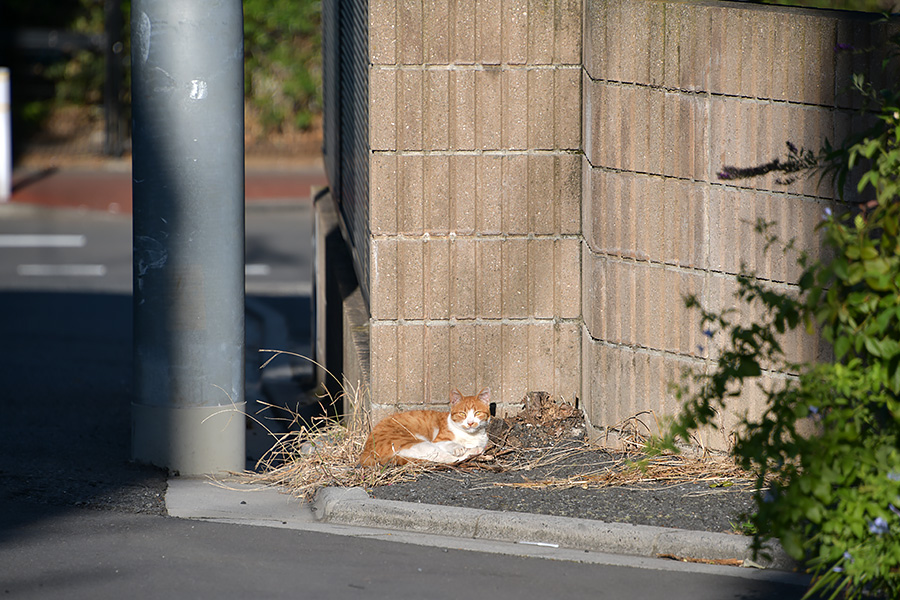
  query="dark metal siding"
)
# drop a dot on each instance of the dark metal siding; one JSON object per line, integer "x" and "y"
{"x": 346, "y": 95}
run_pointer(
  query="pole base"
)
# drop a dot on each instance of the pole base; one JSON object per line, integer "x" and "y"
{"x": 199, "y": 440}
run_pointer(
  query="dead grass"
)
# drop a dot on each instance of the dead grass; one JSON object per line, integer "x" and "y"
{"x": 544, "y": 437}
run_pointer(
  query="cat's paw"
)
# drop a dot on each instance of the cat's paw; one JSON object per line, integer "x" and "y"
{"x": 459, "y": 451}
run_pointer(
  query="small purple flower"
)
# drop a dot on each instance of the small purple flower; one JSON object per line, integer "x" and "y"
{"x": 879, "y": 526}
{"x": 725, "y": 175}
{"x": 813, "y": 410}
{"x": 893, "y": 476}
{"x": 708, "y": 333}
{"x": 827, "y": 214}
{"x": 847, "y": 557}
{"x": 837, "y": 569}
{"x": 894, "y": 509}
{"x": 700, "y": 349}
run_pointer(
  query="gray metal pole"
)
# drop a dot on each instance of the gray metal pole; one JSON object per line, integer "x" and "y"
{"x": 188, "y": 194}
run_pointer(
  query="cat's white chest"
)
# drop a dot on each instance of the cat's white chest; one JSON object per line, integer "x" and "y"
{"x": 473, "y": 440}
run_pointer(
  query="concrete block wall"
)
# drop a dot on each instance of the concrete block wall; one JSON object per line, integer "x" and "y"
{"x": 475, "y": 199}
{"x": 672, "y": 92}
{"x": 543, "y": 190}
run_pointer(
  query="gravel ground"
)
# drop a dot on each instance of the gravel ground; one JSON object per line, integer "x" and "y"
{"x": 694, "y": 506}
{"x": 545, "y": 443}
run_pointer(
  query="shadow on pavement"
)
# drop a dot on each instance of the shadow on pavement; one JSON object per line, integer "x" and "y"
{"x": 66, "y": 373}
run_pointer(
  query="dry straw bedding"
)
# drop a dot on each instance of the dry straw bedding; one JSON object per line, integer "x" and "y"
{"x": 546, "y": 437}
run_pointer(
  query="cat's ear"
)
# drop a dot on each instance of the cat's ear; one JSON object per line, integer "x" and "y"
{"x": 455, "y": 396}
{"x": 485, "y": 395}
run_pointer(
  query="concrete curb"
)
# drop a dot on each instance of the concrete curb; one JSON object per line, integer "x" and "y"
{"x": 353, "y": 506}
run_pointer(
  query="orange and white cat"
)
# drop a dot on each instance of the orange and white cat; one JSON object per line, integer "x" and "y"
{"x": 430, "y": 435}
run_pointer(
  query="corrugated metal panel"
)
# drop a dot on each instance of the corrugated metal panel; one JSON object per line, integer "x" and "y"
{"x": 346, "y": 96}
{"x": 331, "y": 146}
{"x": 354, "y": 133}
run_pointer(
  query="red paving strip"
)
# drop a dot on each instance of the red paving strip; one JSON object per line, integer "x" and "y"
{"x": 111, "y": 190}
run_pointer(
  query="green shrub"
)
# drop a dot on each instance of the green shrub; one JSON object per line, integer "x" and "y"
{"x": 282, "y": 67}
{"x": 826, "y": 448}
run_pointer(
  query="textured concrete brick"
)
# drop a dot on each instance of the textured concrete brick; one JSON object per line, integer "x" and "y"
{"x": 383, "y": 31}
{"x": 410, "y": 279}
{"x": 383, "y": 281}
{"x": 515, "y": 194}
{"x": 567, "y": 32}
{"x": 515, "y": 32}
{"x": 462, "y": 110}
{"x": 540, "y": 192}
{"x": 514, "y": 273}
{"x": 462, "y": 42}
{"x": 383, "y": 109}
{"x": 514, "y": 360}
{"x": 488, "y": 359}
{"x": 488, "y": 109}
{"x": 592, "y": 207}
{"x": 489, "y": 277}
{"x": 488, "y": 194}
{"x": 437, "y": 193}
{"x": 744, "y": 40}
{"x": 437, "y": 363}
{"x": 591, "y": 123}
{"x": 515, "y": 109}
{"x": 462, "y": 194}
{"x": 727, "y": 118}
{"x": 436, "y": 126}
{"x": 568, "y": 360}
{"x": 815, "y": 35}
{"x": 595, "y": 290}
{"x": 541, "y": 277}
{"x": 687, "y": 47}
{"x": 410, "y": 189}
{"x": 685, "y": 118}
{"x": 383, "y": 194}
{"x": 411, "y": 363}
{"x": 725, "y": 35}
{"x": 626, "y": 42}
{"x": 488, "y": 33}
{"x": 541, "y": 356}
{"x": 410, "y": 109}
{"x": 623, "y": 301}
{"x": 567, "y": 278}
{"x": 409, "y": 32}
{"x": 763, "y": 56}
{"x": 567, "y": 182}
{"x": 463, "y": 279}
{"x": 438, "y": 278}
{"x": 464, "y": 351}
{"x": 436, "y": 33}
{"x": 540, "y": 109}
{"x": 567, "y": 109}
{"x": 594, "y": 40}
{"x": 383, "y": 336}
{"x": 540, "y": 32}
{"x": 653, "y": 213}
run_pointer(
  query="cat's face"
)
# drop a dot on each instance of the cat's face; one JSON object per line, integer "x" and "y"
{"x": 471, "y": 413}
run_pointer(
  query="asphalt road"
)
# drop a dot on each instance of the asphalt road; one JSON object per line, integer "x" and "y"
{"x": 78, "y": 520}
{"x": 93, "y": 554}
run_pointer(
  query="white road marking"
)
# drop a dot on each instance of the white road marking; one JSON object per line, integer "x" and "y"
{"x": 38, "y": 240}
{"x": 253, "y": 270}
{"x": 61, "y": 270}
